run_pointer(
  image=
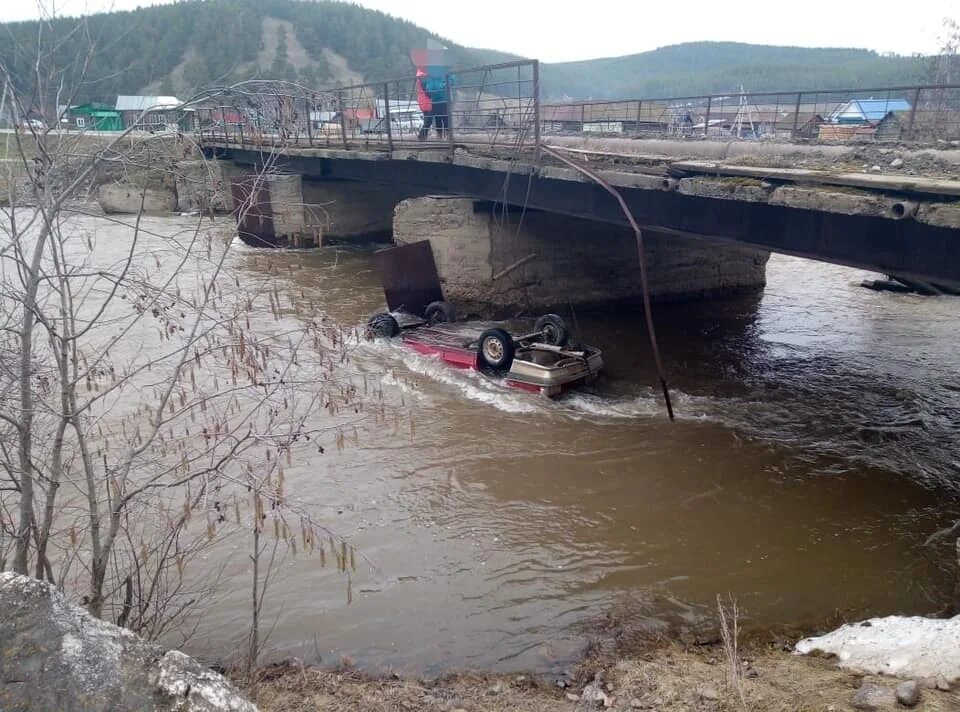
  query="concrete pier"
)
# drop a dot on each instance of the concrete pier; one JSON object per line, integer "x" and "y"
{"x": 488, "y": 258}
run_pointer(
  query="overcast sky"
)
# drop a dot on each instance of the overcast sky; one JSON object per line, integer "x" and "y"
{"x": 581, "y": 29}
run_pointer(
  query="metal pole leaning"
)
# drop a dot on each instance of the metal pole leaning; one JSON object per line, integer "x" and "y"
{"x": 796, "y": 116}
{"x": 641, "y": 256}
{"x": 913, "y": 113}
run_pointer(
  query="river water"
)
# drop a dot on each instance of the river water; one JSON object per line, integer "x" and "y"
{"x": 814, "y": 446}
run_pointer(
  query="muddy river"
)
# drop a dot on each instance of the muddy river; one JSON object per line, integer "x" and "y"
{"x": 816, "y": 434}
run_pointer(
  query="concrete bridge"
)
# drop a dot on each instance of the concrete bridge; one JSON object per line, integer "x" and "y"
{"x": 513, "y": 220}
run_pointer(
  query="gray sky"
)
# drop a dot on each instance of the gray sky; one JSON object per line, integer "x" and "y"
{"x": 580, "y": 29}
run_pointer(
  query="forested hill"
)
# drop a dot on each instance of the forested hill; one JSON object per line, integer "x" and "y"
{"x": 704, "y": 67}
{"x": 175, "y": 49}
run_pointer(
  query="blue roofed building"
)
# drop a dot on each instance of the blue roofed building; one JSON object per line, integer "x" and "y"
{"x": 867, "y": 111}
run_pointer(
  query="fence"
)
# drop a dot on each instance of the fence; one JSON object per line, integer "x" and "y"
{"x": 495, "y": 106}
{"x": 912, "y": 114}
{"x": 499, "y": 106}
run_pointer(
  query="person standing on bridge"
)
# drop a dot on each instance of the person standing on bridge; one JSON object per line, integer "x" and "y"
{"x": 425, "y": 104}
{"x": 434, "y": 88}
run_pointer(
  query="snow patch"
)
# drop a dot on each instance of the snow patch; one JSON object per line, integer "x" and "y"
{"x": 895, "y": 645}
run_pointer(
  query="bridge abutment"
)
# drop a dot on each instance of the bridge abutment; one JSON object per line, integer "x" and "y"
{"x": 488, "y": 257}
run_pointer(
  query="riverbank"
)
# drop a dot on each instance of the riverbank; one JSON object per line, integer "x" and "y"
{"x": 669, "y": 676}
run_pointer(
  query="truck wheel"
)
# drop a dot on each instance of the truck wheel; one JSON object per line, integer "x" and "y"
{"x": 496, "y": 349}
{"x": 553, "y": 330}
{"x": 383, "y": 324}
{"x": 439, "y": 313}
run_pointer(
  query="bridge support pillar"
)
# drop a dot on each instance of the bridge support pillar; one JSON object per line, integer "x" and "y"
{"x": 490, "y": 259}
{"x": 349, "y": 211}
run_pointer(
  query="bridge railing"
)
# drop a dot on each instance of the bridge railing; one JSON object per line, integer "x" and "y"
{"x": 890, "y": 114}
{"x": 499, "y": 107}
{"x": 492, "y": 106}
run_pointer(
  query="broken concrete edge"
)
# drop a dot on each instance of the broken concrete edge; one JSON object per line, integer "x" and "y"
{"x": 694, "y": 149}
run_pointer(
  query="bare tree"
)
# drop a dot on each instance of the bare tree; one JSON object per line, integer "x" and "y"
{"x": 144, "y": 398}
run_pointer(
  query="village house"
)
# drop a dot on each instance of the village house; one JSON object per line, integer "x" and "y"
{"x": 876, "y": 119}
{"x": 161, "y": 112}
{"x": 93, "y": 116}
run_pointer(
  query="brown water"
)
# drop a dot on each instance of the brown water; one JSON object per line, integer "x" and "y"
{"x": 816, "y": 432}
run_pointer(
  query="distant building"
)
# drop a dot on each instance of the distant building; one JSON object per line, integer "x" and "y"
{"x": 93, "y": 117}
{"x": 161, "y": 112}
{"x": 866, "y": 111}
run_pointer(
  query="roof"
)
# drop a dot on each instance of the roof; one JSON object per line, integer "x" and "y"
{"x": 142, "y": 103}
{"x": 873, "y": 109}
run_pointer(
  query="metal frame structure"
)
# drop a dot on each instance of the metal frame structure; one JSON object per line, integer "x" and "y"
{"x": 499, "y": 107}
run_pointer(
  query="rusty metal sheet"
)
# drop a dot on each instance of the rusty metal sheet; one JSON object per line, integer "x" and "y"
{"x": 409, "y": 276}
{"x": 252, "y": 208}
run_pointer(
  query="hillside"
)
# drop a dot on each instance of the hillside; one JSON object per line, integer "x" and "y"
{"x": 175, "y": 49}
{"x": 705, "y": 67}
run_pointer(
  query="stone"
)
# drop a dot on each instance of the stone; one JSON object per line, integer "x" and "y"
{"x": 594, "y": 695}
{"x": 572, "y": 697}
{"x": 943, "y": 685}
{"x": 908, "y": 693}
{"x": 636, "y": 704}
{"x": 876, "y": 169}
{"x": 56, "y": 656}
{"x": 873, "y": 698}
{"x": 711, "y": 694}
{"x": 495, "y": 689}
{"x": 896, "y": 163}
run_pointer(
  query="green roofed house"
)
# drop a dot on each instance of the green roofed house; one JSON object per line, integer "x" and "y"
{"x": 95, "y": 116}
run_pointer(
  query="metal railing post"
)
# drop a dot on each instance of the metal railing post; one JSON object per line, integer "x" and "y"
{"x": 913, "y": 112}
{"x": 308, "y": 104}
{"x": 796, "y": 116}
{"x": 536, "y": 112}
{"x": 636, "y": 129}
{"x": 343, "y": 119}
{"x": 706, "y": 120}
{"x": 386, "y": 111}
{"x": 583, "y": 117}
{"x": 450, "y": 115}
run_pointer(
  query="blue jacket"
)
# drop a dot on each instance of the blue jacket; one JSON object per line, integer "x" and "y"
{"x": 436, "y": 88}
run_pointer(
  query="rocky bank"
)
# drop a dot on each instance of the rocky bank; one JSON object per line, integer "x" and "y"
{"x": 56, "y": 656}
